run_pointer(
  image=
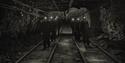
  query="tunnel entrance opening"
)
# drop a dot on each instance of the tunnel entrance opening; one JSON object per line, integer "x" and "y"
{"x": 65, "y": 30}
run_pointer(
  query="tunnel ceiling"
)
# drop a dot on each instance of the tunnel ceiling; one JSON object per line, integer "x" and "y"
{"x": 51, "y": 5}
{"x": 61, "y": 5}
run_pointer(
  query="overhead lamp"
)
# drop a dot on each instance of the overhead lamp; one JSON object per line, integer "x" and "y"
{"x": 51, "y": 17}
{"x": 73, "y": 19}
{"x": 56, "y": 17}
{"x": 78, "y": 19}
{"x": 84, "y": 17}
{"x": 21, "y": 14}
{"x": 45, "y": 17}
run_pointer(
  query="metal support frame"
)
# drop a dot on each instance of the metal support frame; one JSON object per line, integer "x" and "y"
{"x": 53, "y": 1}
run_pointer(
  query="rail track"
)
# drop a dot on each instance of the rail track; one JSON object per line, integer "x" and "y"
{"x": 35, "y": 53}
{"x": 69, "y": 51}
{"x": 112, "y": 58}
{"x": 29, "y": 52}
{"x": 59, "y": 54}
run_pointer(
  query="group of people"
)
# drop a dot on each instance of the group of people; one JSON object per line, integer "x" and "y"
{"x": 48, "y": 33}
{"x": 81, "y": 29}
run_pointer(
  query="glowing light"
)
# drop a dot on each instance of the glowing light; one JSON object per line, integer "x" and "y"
{"x": 78, "y": 19}
{"x": 56, "y": 17}
{"x": 45, "y": 17}
{"x": 84, "y": 17}
{"x": 73, "y": 19}
{"x": 51, "y": 17}
{"x": 21, "y": 13}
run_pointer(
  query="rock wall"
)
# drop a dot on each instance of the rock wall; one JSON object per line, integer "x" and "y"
{"x": 17, "y": 22}
{"x": 16, "y": 34}
{"x": 111, "y": 24}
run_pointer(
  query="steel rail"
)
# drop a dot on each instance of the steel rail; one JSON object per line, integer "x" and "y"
{"x": 29, "y": 52}
{"x": 51, "y": 53}
{"x": 54, "y": 49}
{"x": 81, "y": 54}
{"x": 26, "y": 5}
{"x": 112, "y": 57}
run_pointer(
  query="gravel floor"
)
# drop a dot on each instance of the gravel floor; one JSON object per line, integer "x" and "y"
{"x": 38, "y": 55}
{"x": 66, "y": 52}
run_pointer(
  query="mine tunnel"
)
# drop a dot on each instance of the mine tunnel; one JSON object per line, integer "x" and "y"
{"x": 62, "y": 31}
